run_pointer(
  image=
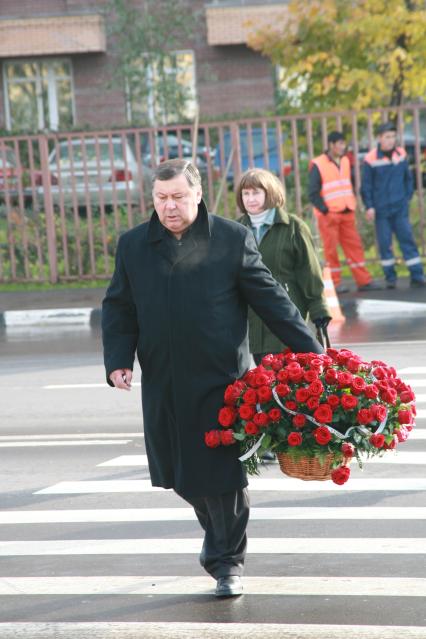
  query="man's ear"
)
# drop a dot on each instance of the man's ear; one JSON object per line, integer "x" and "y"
{"x": 199, "y": 194}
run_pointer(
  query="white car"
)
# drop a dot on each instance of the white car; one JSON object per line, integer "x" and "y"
{"x": 97, "y": 170}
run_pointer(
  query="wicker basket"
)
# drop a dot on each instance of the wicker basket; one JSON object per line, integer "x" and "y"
{"x": 306, "y": 468}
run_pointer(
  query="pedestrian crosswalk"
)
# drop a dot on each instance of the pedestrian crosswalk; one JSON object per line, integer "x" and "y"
{"x": 130, "y": 569}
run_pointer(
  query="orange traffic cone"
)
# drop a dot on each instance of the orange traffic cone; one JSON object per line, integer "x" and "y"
{"x": 331, "y": 296}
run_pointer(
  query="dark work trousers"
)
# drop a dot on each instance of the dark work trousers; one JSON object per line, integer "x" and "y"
{"x": 224, "y": 520}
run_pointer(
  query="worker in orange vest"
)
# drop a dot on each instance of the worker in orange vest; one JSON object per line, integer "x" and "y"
{"x": 333, "y": 198}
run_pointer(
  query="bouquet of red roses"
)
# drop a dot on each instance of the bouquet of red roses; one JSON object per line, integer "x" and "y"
{"x": 309, "y": 406}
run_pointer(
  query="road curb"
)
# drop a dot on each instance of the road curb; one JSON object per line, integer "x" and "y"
{"x": 51, "y": 317}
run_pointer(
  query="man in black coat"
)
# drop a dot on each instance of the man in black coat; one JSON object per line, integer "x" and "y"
{"x": 179, "y": 298}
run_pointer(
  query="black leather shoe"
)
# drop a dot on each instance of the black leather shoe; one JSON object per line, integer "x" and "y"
{"x": 391, "y": 284}
{"x": 341, "y": 288}
{"x": 418, "y": 283}
{"x": 230, "y": 586}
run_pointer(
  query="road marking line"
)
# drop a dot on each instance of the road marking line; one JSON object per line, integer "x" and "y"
{"x": 174, "y": 546}
{"x": 187, "y": 514}
{"x": 134, "y": 460}
{"x": 415, "y": 457}
{"x": 283, "y": 483}
{"x": 412, "y": 370}
{"x": 6, "y": 438}
{"x": 178, "y": 585}
{"x": 64, "y": 442}
{"x": 77, "y": 386}
{"x": 189, "y": 630}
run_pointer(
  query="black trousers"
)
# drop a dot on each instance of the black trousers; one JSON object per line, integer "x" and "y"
{"x": 224, "y": 520}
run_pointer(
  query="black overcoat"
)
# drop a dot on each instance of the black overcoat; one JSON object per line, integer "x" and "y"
{"x": 186, "y": 316}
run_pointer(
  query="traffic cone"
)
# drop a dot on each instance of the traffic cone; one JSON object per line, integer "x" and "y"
{"x": 331, "y": 296}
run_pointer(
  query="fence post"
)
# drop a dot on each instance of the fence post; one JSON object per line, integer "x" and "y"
{"x": 235, "y": 145}
{"x": 48, "y": 209}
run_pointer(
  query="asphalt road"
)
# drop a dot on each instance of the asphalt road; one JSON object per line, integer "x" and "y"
{"x": 87, "y": 549}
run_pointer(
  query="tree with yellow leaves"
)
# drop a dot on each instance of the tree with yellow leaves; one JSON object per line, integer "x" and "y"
{"x": 348, "y": 54}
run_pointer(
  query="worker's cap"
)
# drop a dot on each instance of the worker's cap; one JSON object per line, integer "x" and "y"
{"x": 385, "y": 127}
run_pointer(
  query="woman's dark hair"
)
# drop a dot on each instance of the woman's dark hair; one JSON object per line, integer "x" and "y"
{"x": 261, "y": 179}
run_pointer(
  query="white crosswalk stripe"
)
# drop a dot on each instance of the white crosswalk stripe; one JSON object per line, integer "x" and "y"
{"x": 193, "y": 630}
{"x": 178, "y": 585}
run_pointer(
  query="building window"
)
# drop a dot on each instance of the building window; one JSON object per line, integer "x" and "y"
{"x": 38, "y": 94}
{"x": 162, "y": 91}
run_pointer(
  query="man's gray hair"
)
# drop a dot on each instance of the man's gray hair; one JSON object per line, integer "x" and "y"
{"x": 170, "y": 169}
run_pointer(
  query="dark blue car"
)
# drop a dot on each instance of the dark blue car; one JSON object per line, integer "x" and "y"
{"x": 260, "y": 155}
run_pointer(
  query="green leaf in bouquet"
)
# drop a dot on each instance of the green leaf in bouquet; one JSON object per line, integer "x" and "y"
{"x": 266, "y": 442}
{"x": 239, "y": 437}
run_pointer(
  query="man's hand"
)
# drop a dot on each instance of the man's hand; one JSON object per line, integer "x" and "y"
{"x": 322, "y": 322}
{"x": 122, "y": 378}
{"x": 370, "y": 214}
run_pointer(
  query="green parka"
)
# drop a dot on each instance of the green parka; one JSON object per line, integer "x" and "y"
{"x": 288, "y": 251}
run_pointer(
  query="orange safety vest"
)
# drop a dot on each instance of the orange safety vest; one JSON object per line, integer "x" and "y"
{"x": 336, "y": 189}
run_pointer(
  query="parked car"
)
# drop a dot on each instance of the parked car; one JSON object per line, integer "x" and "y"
{"x": 258, "y": 152}
{"x": 170, "y": 146}
{"x": 87, "y": 167}
{"x": 11, "y": 174}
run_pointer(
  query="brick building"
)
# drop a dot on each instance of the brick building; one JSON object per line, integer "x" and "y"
{"x": 56, "y": 60}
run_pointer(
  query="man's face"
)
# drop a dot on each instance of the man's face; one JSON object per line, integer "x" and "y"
{"x": 176, "y": 203}
{"x": 338, "y": 148}
{"x": 387, "y": 140}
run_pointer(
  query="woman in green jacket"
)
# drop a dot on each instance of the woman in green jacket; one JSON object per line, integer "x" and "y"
{"x": 287, "y": 249}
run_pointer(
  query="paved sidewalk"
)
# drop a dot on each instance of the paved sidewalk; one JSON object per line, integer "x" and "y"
{"x": 82, "y": 306}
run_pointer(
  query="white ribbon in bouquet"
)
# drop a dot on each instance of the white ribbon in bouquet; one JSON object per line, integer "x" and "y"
{"x": 360, "y": 429}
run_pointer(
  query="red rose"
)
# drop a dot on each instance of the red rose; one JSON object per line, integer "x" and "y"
{"x": 261, "y": 379}
{"x": 358, "y": 385}
{"x": 344, "y": 379}
{"x": 294, "y": 367}
{"x": 312, "y": 403}
{"x": 232, "y": 393}
{"x": 334, "y": 401}
{"x": 404, "y": 416}
{"x": 371, "y": 391}
{"x": 323, "y": 414}
{"x": 261, "y": 419}
{"x": 246, "y": 411}
{"x": 251, "y": 428}
{"x": 290, "y": 405}
{"x": 316, "y": 388}
{"x": 212, "y": 438}
{"x": 250, "y": 396}
{"x": 301, "y": 395}
{"x": 402, "y": 434}
{"x": 407, "y": 396}
{"x": 296, "y": 375}
{"x": 348, "y": 449}
{"x": 282, "y": 376}
{"x": 364, "y": 416}
{"x": 379, "y": 372}
{"x": 392, "y": 444}
{"x": 331, "y": 376}
{"x": 275, "y": 414}
{"x": 227, "y": 416}
{"x": 377, "y": 440}
{"x": 250, "y": 378}
{"x": 282, "y": 390}
{"x": 340, "y": 475}
{"x": 227, "y": 437}
{"x": 322, "y": 435}
{"x": 353, "y": 364}
{"x": 348, "y": 402}
{"x": 299, "y": 420}
{"x": 264, "y": 394}
{"x": 267, "y": 360}
{"x": 294, "y": 439}
{"x": 316, "y": 362}
{"x": 389, "y": 395}
{"x": 310, "y": 376}
{"x": 379, "y": 411}
{"x": 344, "y": 355}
